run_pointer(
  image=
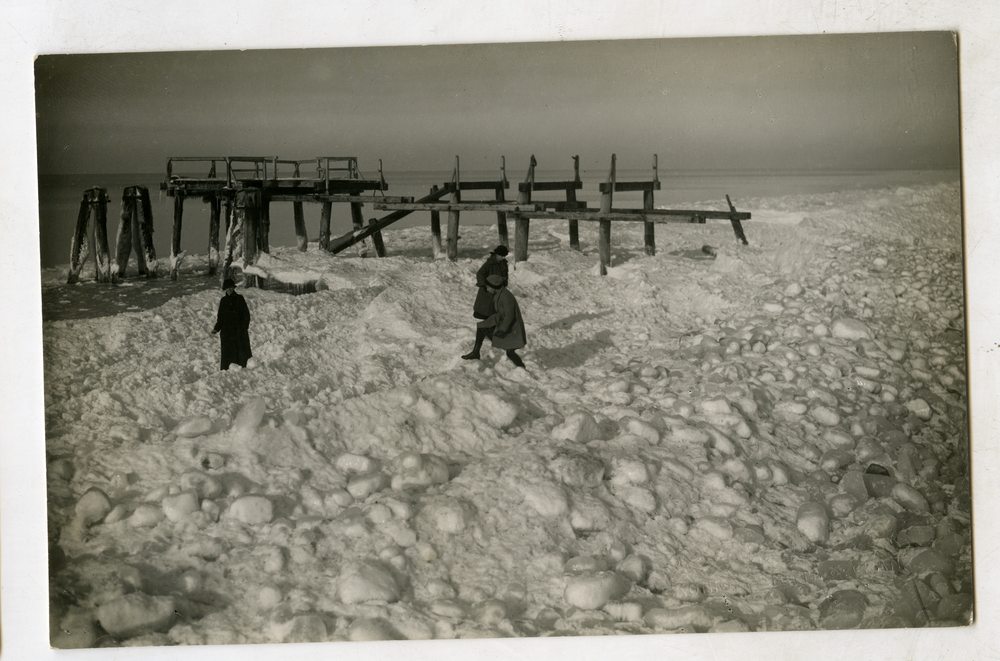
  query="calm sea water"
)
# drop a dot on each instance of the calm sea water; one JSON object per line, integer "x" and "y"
{"x": 60, "y": 197}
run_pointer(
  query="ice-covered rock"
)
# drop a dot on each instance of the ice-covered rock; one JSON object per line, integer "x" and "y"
{"x": 593, "y": 591}
{"x": 355, "y": 464}
{"x": 360, "y": 582}
{"x": 812, "y": 521}
{"x": 715, "y": 526}
{"x": 420, "y": 471}
{"x": 920, "y": 408}
{"x": 248, "y": 419}
{"x": 146, "y": 516}
{"x": 549, "y": 500}
{"x": 909, "y": 498}
{"x": 177, "y": 506}
{"x": 580, "y": 427}
{"x": 205, "y": 485}
{"x": 844, "y": 609}
{"x": 92, "y": 507}
{"x": 447, "y": 515}
{"x": 136, "y": 613}
{"x": 686, "y": 618}
{"x": 847, "y": 328}
{"x": 198, "y": 425}
{"x": 252, "y": 510}
{"x": 371, "y": 629}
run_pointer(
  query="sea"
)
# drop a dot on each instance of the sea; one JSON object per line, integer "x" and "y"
{"x": 60, "y": 197}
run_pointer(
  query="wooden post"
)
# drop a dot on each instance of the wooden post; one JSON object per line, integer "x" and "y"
{"x": 604, "y": 238}
{"x": 242, "y": 240}
{"x": 520, "y": 220}
{"x": 253, "y": 210}
{"x": 737, "y": 225}
{"x": 301, "y": 237}
{"x": 102, "y": 257}
{"x": 502, "y": 215}
{"x": 264, "y": 234}
{"x": 215, "y": 206}
{"x": 649, "y": 237}
{"x": 324, "y": 226}
{"x": 142, "y": 233}
{"x": 358, "y": 223}
{"x": 377, "y": 239}
{"x": 435, "y": 228}
{"x": 123, "y": 241}
{"x": 175, "y": 244}
{"x": 234, "y": 238}
{"x": 456, "y": 196}
{"x": 80, "y": 246}
{"x": 574, "y": 225}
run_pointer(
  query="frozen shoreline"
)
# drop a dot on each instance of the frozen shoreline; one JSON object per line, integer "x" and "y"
{"x": 646, "y": 474}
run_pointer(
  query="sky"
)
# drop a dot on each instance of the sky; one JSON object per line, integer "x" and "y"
{"x": 843, "y": 102}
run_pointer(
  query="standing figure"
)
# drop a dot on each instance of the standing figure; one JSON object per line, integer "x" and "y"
{"x": 505, "y": 327}
{"x": 233, "y": 324}
{"x": 495, "y": 264}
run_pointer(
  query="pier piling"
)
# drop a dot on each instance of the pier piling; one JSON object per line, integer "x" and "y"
{"x": 94, "y": 204}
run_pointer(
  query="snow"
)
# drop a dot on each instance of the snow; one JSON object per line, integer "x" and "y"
{"x": 695, "y": 428}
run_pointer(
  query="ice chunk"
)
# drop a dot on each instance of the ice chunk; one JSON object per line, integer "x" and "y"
{"x": 136, "y": 613}
{"x": 593, "y": 591}
{"x": 92, "y": 507}
{"x": 580, "y": 427}
{"x": 252, "y": 510}
{"x": 194, "y": 426}
{"x": 366, "y": 581}
{"x": 813, "y": 522}
{"x": 248, "y": 419}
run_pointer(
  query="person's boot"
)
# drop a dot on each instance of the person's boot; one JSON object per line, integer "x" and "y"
{"x": 474, "y": 354}
{"x": 514, "y": 358}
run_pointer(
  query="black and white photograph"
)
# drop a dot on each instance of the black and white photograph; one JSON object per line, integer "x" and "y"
{"x": 374, "y": 349}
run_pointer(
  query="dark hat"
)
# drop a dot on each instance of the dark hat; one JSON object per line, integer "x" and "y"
{"x": 500, "y": 250}
{"x": 495, "y": 281}
{"x": 228, "y": 284}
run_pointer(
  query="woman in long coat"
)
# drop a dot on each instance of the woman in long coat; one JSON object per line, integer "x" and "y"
{"x": 506, "y": 323}
{"x": 495, "y": 264}
{"x": 233, "y": 326}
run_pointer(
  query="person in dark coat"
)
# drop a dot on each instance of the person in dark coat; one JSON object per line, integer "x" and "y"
{"x": 505, "y": 326}
{"x": 495, "y": 264}
{"x": 233, "y": 325}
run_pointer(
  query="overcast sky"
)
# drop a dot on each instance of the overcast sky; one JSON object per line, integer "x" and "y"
{"x": 867, "y": 101}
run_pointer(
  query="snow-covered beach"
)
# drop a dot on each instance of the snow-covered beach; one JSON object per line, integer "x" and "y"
{"x": 695, "y": 445}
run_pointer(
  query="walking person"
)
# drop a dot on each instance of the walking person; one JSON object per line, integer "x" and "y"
{"x": 233, "y": 325}
{"x": 482, "y": 308}
{"x": 505, "y": 326}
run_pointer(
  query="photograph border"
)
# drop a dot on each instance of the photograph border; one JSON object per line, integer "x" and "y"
{"x": 104, "y": 26}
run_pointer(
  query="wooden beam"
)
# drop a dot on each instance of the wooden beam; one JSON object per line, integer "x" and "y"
{"x": 349, "y": 239}
{"x": 351, "y": 199}
{"x": 477, "y": 185}
{"x": 631, "y": 186}
{"x": 639, "y": 215}
{"x": 551, "y": 185}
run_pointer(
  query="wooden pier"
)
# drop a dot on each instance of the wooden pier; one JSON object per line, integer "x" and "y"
{"x": 221, "y": 181}
{"x": 240, "y": 189}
